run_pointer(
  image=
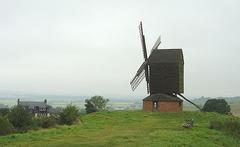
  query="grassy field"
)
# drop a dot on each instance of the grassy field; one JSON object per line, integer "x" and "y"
{"x": 128, "y": 128}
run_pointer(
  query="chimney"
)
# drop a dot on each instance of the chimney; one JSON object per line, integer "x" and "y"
{"x": 45, "y": 101}
{"x": 18, "y": 101}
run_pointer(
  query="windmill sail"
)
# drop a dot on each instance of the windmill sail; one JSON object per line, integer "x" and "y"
{"x": 139, "y": 76}
{"x": 142, "y": 37}
{"x": 157, "y": 43}
{"x": 137, "y": 80}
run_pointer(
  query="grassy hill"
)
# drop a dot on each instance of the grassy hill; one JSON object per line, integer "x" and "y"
{"x": 128, "y": 128}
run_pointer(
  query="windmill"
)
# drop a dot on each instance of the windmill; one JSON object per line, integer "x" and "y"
{"x": 163, "y": 70}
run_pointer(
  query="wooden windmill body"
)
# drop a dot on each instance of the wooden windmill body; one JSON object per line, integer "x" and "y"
{"x": 164, "y": 74}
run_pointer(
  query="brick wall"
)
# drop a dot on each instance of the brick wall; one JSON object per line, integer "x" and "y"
{"x": 166, "y": 106}
{"x": 147, "y": 106}
{"x": 169, "y": 107}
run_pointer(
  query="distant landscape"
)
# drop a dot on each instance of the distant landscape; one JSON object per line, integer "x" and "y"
{"x": 114, "y": 103}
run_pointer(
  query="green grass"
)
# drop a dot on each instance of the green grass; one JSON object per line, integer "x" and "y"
{"x": 129, "y": 128}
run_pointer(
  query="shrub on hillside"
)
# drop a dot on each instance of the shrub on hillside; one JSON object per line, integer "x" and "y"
{"x": 36, "y": 123}
{"x": 48, "y": 122}
{"x": 216, "y": 105}
{"x": 5, "y": 126}
{"x": 90, "y": 107}
{"x": 231, "y": 126}
{"x": 216, "y": 124}
{"x": 20, "y": 118}
{"x": 96, "y": 103}
{"x": 4, "y": 111}
{"x": 69, "y": 115}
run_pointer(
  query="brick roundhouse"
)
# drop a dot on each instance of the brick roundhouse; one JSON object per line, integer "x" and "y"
{"x": 162, "y": 103}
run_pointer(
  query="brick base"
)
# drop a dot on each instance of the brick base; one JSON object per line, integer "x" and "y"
{"x": 162, "y": 103}
{"x": 162, "y": 106}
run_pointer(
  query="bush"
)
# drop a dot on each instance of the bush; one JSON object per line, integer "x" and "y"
{"x": 96, "y": 103}
{"x": 43, "y": 122}
{"x": 5, "y": 126}
{"x": 216, "y": 105}
{"x": 90, "y": 107}
{"x": 20, "y": 118}
{"x": 69, "y": 115}
{"x": 48, "y": 122}
{"x": 4, "y": 111}
{"x": 36, "y": 123}
{"x": 231, "y": 126}
{"x": 216, "y": 124}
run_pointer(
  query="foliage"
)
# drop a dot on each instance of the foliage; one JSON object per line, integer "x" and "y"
{"x": 20, "y": 118}
{"x": 69, "y": 115}
{"x": 90, "y": 107}
{"x": 95, "y": 103}
{"x": 36, "y": 123}
{"x": 4, "y": 111}
{"x": 5, "y": 126}
{"x": 44, "y": 122}
{"x": 230, "y": 125}
{"x": 48, "y": 122}
{"x": 216, "y": 124}
{"x": 129, "y": 128}
{"x": 216, "y": 105}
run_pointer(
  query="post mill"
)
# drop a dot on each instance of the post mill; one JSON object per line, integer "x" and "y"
{"x": 164, "y": 74}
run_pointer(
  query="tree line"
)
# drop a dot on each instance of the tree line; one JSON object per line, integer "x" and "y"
{"x": 19, "y": 119}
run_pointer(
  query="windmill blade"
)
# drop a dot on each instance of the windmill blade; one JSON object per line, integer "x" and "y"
{"x": 137, "y": 80}
{"x": 147, "y": 78}
{"x": 157, "y": 43}
{"x": 139, "y": 76}
{"x": 142, "y": 37}
{"x": 190, "y": 101}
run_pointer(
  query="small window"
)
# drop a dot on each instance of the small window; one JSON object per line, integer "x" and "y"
{"x": 155, "y": 106}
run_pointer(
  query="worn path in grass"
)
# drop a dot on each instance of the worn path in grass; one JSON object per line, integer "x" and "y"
{"x": 128, "y": 128}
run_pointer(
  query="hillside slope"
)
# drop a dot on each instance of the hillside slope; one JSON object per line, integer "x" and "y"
{"x": 128, "y": 128}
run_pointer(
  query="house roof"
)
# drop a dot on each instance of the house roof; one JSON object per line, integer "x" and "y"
{"x": 162, "y": 97}
{"x": 32, "y": 104}
{"x": 166, "y": 56}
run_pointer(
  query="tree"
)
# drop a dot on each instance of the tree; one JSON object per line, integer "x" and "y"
{"x": 5, "y": 126}
{"x": 47, "y": 122}
{"x": 216, "y": 105}
{"x": 4, "y": 111}
{"x": 69, "y": 115}
{"x": 90, "y": 107}
{"x": 96, "y": 103}
{"x": 20, "y": 118}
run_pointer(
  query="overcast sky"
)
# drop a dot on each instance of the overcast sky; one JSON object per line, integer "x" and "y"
{"x": 93, "y": 47}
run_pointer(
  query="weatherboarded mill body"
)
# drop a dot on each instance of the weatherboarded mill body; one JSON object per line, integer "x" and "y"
{"x": 164, "y": 72}
{"x": 165, "y": 80}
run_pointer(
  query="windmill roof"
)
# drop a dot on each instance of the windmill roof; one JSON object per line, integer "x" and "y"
{"x": 162, "y": 97}
{"x": 166, "y": 56}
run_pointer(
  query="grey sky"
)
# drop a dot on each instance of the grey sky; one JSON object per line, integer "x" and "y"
{"x": 93, "y": 47}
